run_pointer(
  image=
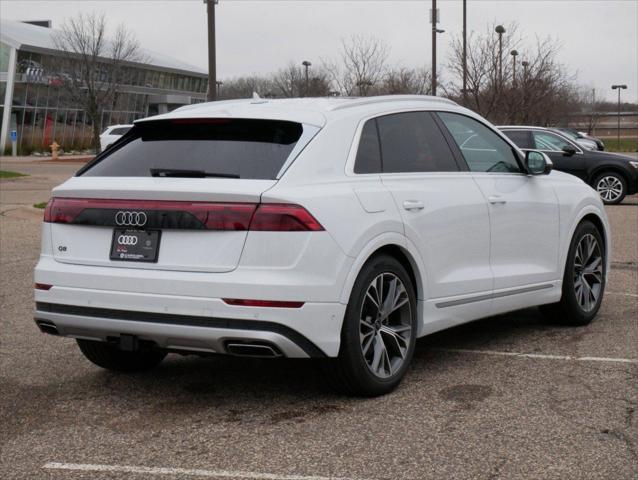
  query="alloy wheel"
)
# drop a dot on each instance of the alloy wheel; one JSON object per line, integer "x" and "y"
{"x": 610, "y": 188}
{"x": 588, "y": 272}
{"x": 385, "y": 326}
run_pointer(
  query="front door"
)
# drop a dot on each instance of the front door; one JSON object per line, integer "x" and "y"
{"x": 523, "y": 209}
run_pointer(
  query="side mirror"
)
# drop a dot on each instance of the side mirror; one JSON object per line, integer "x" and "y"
{"x": 569, "y": 151}
{"x": 537, "y": 163}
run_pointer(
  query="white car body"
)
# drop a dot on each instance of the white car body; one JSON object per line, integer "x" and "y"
{"x": 478, "y": 244}
{"x": 111, "y": 134}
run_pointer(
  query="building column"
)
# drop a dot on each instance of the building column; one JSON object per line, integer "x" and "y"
{"x": 8, "y": 99}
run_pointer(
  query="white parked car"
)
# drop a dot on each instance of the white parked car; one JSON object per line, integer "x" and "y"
{"x": 112, "y": 134}
{"x": 333, "y": 228}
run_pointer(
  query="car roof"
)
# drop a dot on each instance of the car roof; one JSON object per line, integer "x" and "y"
{"x": 312, "y": 111}
{"x": 522, "y": 127}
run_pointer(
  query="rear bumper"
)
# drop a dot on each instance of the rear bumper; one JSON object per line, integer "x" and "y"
{"x": 197, "y": 324}
{"x": 177, "y": 332}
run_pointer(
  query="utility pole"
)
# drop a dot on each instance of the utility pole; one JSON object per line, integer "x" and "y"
{"x": 619, "y": 88}
{"x": 434, "y": 19}
{"x": 434, "y": 15}
{"x": 212, "y": 53}
{"x": 464, "y": 52}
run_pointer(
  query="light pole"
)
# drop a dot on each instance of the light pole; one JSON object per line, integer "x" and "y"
{"x": 500, "y": 30}
{"x": 514, "y": 54}
{"x": 306, "y": 64}
{"x": 212, "y": 60}
{"x": 619, "y": 88}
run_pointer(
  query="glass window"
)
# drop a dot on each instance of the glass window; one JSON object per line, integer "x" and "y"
{"x": 483, "y": 149}
{"x": 369, "y": 153}
{"x": 412, "y": 142}
{"x": 255, "y": 149}
{"x": 550, "y": 141}
{"x": 521, "y": 138}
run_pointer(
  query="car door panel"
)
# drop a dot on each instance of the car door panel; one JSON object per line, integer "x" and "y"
{"x": 523, "y": 209}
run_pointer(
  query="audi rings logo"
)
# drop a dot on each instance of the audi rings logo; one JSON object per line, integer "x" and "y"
{"x": 131, "y": 219}
{"x": 127, "y": 240}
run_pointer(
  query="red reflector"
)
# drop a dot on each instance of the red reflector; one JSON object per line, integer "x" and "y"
{"x": 43, "y": 286}
{"x": 262, "y": 303}
{"x": 275, "y": 217}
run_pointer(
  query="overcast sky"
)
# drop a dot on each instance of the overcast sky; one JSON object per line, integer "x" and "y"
{"x": 599, "y": 37}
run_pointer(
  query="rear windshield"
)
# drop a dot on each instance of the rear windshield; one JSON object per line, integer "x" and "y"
{"x": 236, "y": 148}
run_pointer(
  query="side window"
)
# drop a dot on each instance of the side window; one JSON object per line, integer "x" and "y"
{"x": 483, "y": 150}
{"x": 369, "y": 153}
{"x": 412, "y": 142}
{"x": 550, "y": 141}
{"x": 521, "y": 138}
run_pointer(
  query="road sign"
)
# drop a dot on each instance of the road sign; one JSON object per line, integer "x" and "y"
{"x": 14, "y": 136}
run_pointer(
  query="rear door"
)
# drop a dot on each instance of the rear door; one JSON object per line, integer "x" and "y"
{"x": 444, "y": 213}
{"x": 175, "y": 195}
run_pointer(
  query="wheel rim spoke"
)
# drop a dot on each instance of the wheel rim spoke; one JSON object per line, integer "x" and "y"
{"x": 588, "y": 272}
{"x": 385, "y": 328}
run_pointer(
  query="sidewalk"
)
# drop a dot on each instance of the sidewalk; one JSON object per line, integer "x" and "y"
{"x": 35, "y": 159}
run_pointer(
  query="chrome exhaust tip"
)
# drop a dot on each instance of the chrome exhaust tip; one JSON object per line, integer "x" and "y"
{"x": 256, "y": 350}
{"x": 47, "y": 327}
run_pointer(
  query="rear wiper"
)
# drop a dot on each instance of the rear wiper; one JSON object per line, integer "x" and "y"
{"x": 169, "y": 172}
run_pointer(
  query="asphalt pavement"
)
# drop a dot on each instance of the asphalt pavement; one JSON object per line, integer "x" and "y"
{"x": 509, "y": 397}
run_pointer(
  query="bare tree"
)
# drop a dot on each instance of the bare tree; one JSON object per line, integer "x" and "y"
{"x": 362, "y": 67}
{"x": 403, "y": 80}
{"x": 93, "y": 66}
{"x": 539, "y": 91}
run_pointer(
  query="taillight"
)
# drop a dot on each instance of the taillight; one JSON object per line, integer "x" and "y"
{"x": 262, "y": 303}
{"x": 181, "y": 215}
{"x": 274, "y": 217}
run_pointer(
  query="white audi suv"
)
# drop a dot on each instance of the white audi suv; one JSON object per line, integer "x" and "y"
{"x": 335, "y": 228}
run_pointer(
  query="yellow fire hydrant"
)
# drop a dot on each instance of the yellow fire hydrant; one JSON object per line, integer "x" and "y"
{"x": 54, "y": 150}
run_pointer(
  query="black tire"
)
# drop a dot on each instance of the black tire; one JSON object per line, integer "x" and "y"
{"x": 569, "y": 310}
{"x": 110, "y": 357}
{"x": 350, "y": 372}
{"x": 608, "y": 196}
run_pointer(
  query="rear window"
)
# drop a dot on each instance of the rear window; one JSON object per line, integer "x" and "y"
{"x": 236, "y": 148}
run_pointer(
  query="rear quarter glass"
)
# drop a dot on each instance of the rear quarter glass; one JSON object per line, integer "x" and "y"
{"x": 249, "y": 149}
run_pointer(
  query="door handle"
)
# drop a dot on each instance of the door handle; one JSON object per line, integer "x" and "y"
{"x": 497, "y": 200}
{"x": 413, "y": 205}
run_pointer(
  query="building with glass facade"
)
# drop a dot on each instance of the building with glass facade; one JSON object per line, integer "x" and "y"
{"x": 34, "y": 104}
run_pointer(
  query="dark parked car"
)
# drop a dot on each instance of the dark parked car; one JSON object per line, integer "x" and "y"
{"x": 579, "y": 137}
{"x": 612, "y": 175}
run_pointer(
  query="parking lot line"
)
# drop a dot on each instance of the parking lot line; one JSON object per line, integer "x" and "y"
{"x": 540, "y": 356}
{"x": 87, "y": 467}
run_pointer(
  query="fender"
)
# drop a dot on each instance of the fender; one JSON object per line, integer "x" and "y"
{"x": 383, "y": 240}
{"x": 582, "y": 213}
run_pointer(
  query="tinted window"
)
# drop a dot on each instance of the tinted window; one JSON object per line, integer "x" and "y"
{"x": 255, "y": 149}
{"x": 521, "y": 138}
{"x": 119, "y": 131}
{"x": 550, "y": 141}
{"x": 412, "y": 142}
{"x": 369, "y": 153}
{"x": 483, "y": 150}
